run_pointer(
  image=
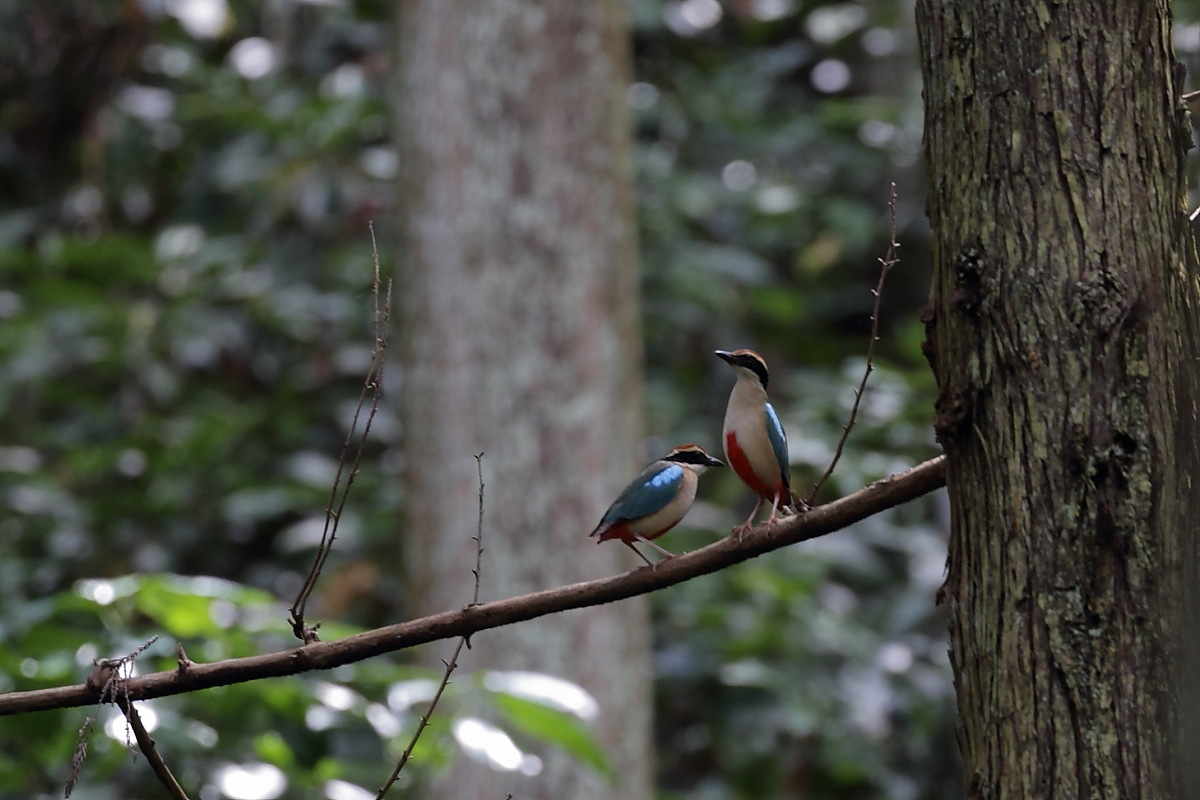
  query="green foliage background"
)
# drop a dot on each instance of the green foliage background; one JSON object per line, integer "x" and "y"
{"x": 184, "y": 326}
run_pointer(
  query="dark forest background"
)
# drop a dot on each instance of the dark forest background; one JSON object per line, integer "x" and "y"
{"x": 185, "y": 269}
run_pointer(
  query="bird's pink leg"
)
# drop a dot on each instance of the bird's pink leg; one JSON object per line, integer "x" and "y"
{"x": 774, "y": 507}
{"x": 629, "y": 544}
{"x": 666, "y": 553}
{"x": 740, "y": 530}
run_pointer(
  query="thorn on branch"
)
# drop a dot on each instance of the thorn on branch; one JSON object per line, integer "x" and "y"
{"x": 181, "y": 657}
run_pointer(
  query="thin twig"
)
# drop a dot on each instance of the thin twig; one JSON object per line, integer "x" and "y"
{"x": 423, "y": 722}
{"x": 372, "y": 387}
{"x": 820, "y": 521}
{"x": 146, "y": 745}
{"x": 1186, "y": 96}
{"x": 478, "y": 533}
{"x": 885, "y": 264}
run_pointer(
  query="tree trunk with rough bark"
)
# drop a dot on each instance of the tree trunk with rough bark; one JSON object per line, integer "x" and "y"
{"x": 518, "y": 306}
{"x": 1062, "y": 333}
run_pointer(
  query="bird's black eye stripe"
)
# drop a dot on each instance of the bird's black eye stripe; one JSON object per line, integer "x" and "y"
{"x": 690, "y": 457}
{"x": 756, "y": 366}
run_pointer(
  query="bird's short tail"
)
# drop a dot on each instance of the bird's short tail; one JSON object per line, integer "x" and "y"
{"x": 604, "y": 532}
{"x": 795, "y": 502}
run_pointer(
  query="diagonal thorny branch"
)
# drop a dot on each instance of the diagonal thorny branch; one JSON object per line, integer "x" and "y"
{"x": 824, "y": 519}
{"x": 452, "y": 664}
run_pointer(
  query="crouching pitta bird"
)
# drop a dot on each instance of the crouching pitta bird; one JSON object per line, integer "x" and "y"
{"x": 656, "y": 499}
{"x": 755, "y": 444}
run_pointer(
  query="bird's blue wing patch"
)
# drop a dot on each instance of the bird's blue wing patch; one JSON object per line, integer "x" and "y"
{"x": 649, "y": 492}
{"x": 779, "y": 445}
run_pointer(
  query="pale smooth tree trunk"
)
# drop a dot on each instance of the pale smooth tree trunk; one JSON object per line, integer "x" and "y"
{"x": 518, "y": 307}
{"x": 1062, "y": 332}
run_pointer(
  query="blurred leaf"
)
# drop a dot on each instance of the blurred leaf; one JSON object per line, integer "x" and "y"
{"x": 554, "y": 727}
{"x": 272, "y": 748}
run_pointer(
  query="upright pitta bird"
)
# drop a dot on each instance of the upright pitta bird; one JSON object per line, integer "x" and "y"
{"x": 656, "y": 499}
{"x": 755, "y": 445}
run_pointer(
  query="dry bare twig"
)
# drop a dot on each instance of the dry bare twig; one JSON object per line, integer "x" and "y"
{"x": 452, "y": 664}
{"x": 868, "y": 501}
{"x": 371, "y": 388}
{"x": 885, "y": 264}
{"x": 146, "y": 745}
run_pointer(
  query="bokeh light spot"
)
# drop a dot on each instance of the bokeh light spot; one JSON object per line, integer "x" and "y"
{"x": 739, "y": 175}
{"x": 830, "y": 76}
{"x": 253, "y": 57}
{"x": 202, "y": 19}
{"x": 255, "y": 781}
{"x": 547, "y": 690}
{"x": 485, "y": 742}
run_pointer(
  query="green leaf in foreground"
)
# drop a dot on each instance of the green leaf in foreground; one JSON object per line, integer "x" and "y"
{"x": 555, "y": 727}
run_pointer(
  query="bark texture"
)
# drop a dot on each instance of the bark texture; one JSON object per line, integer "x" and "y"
{"x": 1062, "y": 335}
{"x": 520, "y": 336}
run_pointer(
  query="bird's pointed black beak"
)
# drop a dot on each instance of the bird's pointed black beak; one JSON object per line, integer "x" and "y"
{"x": 714, "y": 462}
{"x": 724, "y": 355}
